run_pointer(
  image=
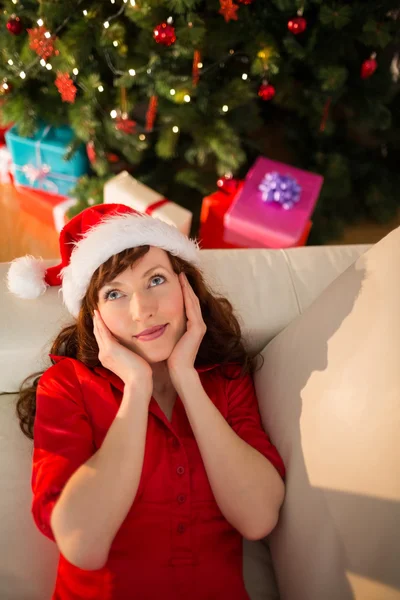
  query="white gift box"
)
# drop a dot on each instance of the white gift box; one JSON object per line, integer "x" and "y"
{"x": 125, "y": 189}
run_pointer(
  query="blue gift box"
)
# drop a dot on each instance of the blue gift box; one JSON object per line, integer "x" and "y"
{"x": 39, "y": 160}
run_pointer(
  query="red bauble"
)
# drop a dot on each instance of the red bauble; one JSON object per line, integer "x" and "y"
{"x": 266, "y": 91}
{"x": 14, "y": 25}
{"x": 228, "y": 184}
{"x": 297, "y": 25}
{"x": 164, "y": 34}
{"x": 368, "y": 68}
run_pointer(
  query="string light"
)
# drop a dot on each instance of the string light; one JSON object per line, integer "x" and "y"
{"x": 148, "y": 71}
{"x": 106, "y": 25}
{"x": 132, "y": 72}
{"x": 244, "y": 76}
{"x": 142, "y": 137}
{"x": 22, "y": 75}
{"x": 5, "y": 85}
{"x": 175, "y": 129}
{"x": 42, "y": 62}
{"x": 113, "y": 114}
{"x": 112, "y": 1}
{"x": 170, "y": 20}
{"x": 133, "y": 3}
{"x": 10, "y": 62}
{"x": 172, "y": 92}
{"x": 75, "y": 71}
{"x": 49, "y": 67}
{"x": 225, "y": 108}
{"x": 84, "y": 13}
{"x": 40, "y": 22}
{"x": 47, "y": 34}
{"x": 200, "y": 65}
{"x": 115, "y": 43}
{"x": 186, "y": 98}
{"x": 15, "y": 1}
{"x": 100, "y": 88}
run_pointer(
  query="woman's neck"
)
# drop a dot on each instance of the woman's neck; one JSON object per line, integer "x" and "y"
{"x": 162, "y": 383}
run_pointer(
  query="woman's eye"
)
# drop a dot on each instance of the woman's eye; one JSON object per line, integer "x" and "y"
{"x": 107, "y": 295}
{"x": 157, "y": 277}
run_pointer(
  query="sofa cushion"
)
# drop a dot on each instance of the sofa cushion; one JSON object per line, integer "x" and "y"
{"x": 329, "y": 398}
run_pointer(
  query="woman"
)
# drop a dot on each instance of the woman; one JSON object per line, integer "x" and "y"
{"x": 150, "y": 462}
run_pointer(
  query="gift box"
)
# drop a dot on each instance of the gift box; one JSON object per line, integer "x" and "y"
{"x": 6, "y": 165}
{"x": 50, "y": 209}
{"x": 39, "y": 160}
{"x": 274, "y": 207}
{"x": 211, "y": 231}
{"x": 125, "y": 189}
{"x": 2, "y": 134}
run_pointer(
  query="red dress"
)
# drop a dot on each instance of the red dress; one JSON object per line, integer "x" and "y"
{"x": 174, "y": 543}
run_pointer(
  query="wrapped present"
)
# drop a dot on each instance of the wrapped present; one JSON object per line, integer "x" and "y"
{"x": 39, "y": 160}
{"x": 274, "y": 207}
{"x": 213, "y": 209}
{"x": 2, "y": 134}
{"x": 50, "y": 209}
{"x": 6, "y": 165}
{"x": 125, "y": 189}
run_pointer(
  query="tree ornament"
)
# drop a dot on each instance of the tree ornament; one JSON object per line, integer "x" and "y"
{"x": 369, "y": 66}
{"x": 151, "y": 113}
{"x": 14, "y": 25}
{"x": 297, "y": 25}
{"x": 43, "y": 46}
{"x": 228, "y": 10}
{"x": 228, "y": 184}
{"x": 266, "y": 91}
{"x": 195, "y": 67}
{"x": 92, "y": 156}
{"x": 126, "y": 125}
{"x": 66, "y": 87}
{"x": 5, "y": 88}
{"x": 164, "y": 34}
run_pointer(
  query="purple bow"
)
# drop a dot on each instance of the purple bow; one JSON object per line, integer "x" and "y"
{"x": 282, "y": 189}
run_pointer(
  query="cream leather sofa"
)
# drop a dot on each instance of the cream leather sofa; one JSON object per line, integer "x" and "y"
{"x": 327, "y": 320}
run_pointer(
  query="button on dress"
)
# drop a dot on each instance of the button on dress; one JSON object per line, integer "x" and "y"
{"x": 174, "y": 543}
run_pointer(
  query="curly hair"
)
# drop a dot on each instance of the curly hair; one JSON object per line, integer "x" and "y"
{"x": 222, "y": 342}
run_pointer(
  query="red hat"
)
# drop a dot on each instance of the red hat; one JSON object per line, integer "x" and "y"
{"x": 86, "y": 242}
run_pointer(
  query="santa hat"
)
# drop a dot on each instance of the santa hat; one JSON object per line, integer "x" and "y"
{"x": 86, "y": 242}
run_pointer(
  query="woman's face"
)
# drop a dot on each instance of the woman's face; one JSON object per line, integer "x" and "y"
{"x": 145, "y": 295}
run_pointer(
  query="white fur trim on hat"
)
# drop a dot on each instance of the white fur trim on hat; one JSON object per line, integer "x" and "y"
{"x": 112, "y": 235}
{"x": 25, "y": 277}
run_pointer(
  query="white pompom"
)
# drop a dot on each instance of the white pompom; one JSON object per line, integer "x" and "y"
{"x": 25, "y": 277}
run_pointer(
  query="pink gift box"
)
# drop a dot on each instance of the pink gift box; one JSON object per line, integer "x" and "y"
{"x": 254, "y": 223}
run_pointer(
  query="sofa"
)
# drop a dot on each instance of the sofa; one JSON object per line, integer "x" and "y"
{"x": 326, "y": 320}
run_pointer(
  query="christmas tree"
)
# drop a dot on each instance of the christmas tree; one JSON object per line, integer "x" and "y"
{"x": 181, "y": 92}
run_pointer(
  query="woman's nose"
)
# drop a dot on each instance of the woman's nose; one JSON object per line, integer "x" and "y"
{"x": 141, "y": 307}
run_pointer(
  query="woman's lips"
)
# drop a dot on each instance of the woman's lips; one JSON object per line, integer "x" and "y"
{"x": 152, "y": 336}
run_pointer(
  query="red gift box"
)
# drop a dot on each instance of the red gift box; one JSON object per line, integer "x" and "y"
{"x": 213, "y": 209}
{"x": 50, "y": 209}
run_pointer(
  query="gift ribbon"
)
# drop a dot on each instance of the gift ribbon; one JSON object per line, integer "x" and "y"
{"x": 41, "y": 171}
{"x": 152, "y": 207}
{"x": 282, "y": 189}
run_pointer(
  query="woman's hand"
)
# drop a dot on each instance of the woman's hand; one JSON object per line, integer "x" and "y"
{"x": 129, "y": 366}
{"x": 184, "y": 354}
